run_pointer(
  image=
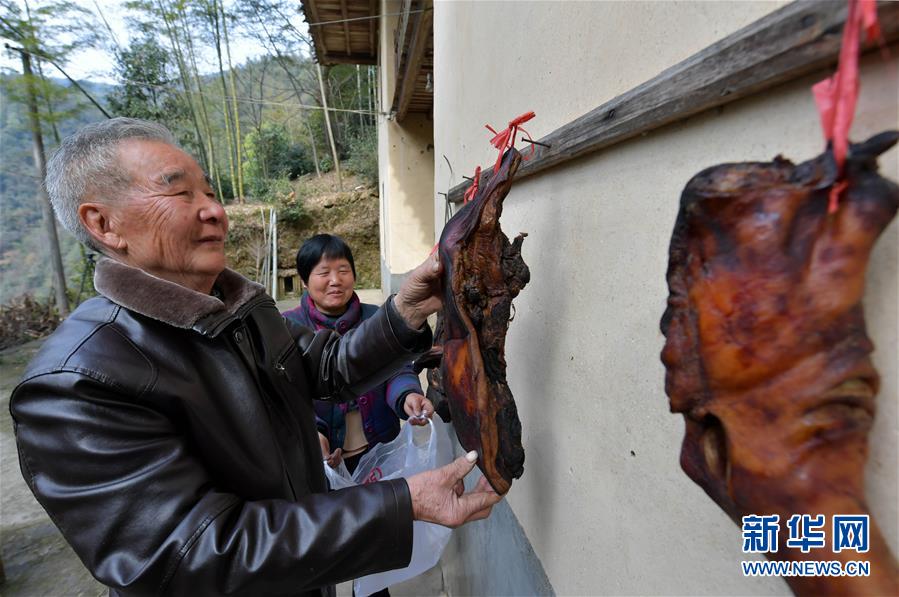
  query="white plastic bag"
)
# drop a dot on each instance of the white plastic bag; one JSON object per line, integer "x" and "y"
{"x": 415, "y": 450}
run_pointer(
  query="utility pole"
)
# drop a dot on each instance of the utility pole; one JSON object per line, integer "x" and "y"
{"x": 62, "y": 301}
{"x": 359, "y": 97}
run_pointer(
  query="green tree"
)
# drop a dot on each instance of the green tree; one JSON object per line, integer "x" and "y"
{"x": 49, "y": 31}
{"x": 270, "y": 156}
{"x": 146, "y": 87}
{"x": 363, "y": 160}
{"x": 147, "y": 15}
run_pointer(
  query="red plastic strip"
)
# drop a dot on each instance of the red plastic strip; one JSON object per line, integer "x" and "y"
{"x": 473, "y": 189}
{"x": 506, "y": 138}
{"x": 836, "y": 96}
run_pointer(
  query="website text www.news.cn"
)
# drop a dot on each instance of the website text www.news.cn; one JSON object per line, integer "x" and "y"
{"x": 849, "y": 532}
{"x": 806, "y": 568}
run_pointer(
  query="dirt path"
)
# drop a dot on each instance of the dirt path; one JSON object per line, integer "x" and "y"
{"x": 36, "y": 558}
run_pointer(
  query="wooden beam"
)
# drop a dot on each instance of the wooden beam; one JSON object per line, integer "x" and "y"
{"x": 400, "y": 37}
{"x": 351, "y": 59}
{"x": 346, "y": 26}
{"x": 789, "y": 43}
{"x": 372, "y": 11}
{"x": 311, "y": 11}
{"x": 421, "y": 36}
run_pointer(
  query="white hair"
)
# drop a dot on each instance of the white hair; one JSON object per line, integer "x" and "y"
{"x": 86, "y": 167}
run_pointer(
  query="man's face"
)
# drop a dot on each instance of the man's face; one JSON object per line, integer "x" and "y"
{"x": 331, "y": 284}
{"x": 169, "y": 219}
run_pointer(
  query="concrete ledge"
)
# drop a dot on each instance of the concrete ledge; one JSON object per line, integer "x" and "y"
{"x": 493, "y": 556}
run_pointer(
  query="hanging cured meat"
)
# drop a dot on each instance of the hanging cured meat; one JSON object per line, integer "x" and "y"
{"x": 431, "y": 361}
{"x": 767, "y": 356}
{"x": 483, "y": 272}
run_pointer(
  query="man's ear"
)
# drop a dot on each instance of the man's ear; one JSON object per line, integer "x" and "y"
{"x": 97, "y": 220}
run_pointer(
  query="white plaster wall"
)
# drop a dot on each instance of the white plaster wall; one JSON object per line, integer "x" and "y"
{"x": 496, "y": 60}
{"x": 603, "y": 500}
{"x": 406, "y": 169}
{"x": 409, "y": 191}
{"x": 386, "y": 81}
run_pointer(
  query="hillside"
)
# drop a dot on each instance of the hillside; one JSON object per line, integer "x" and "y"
{"x": 24, "y": 259}
{"x": 351, "y": 214}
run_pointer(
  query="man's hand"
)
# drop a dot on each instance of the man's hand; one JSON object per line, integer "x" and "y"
{"x": 418, "y": 408}
{"x": 438, "y": 495}
{"x": 420, "y": 294}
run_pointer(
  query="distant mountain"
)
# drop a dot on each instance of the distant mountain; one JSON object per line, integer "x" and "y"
{"x": 24, "y": 259}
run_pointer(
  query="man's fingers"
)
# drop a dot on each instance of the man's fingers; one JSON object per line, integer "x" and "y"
{"x": 477, "y": 503}
{"x": 435, "y": 262}
{"x": 429, "y": 269}
{"x": 479, "y": 515}
{"x": 462, "y": 466}
{"x": 483, "y": 487}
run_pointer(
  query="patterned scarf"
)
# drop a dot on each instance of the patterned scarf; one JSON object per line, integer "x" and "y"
{"x": 340, "y": 324}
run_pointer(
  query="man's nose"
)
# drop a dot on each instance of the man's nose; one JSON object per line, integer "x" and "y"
{"x": 211, "y": 209}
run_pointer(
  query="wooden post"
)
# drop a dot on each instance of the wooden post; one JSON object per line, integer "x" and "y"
{"x": 318, "y": 171}
{"x": 274, "y": 222}
{"x": 359, "y": 96}
{"x": 321, "y": 84}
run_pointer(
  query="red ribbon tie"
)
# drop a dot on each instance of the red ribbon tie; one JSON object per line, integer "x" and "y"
{"x": 836, "y": 96}
{"x": 506, "y": 138}
{"x": 473, "y": 189}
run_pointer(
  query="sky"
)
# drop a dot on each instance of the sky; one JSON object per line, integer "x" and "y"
{"x": 98, "y": 64}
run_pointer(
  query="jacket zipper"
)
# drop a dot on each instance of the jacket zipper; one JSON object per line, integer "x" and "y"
{"x": 241, "y": 338}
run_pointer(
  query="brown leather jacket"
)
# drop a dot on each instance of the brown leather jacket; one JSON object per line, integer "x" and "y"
{"x": 170, "y": 435}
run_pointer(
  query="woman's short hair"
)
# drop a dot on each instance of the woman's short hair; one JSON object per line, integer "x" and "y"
{"x": 322, "y": 245}
{"x": 86, "y": 167}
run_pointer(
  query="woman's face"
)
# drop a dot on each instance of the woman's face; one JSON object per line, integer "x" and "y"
{"x": 331, "y": 284}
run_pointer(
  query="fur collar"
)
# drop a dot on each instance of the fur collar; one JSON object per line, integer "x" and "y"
{"x": 165, "y": 301}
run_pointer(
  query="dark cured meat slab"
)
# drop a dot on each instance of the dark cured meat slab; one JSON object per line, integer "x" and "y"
{"x": 766, "y": 351}
{"x": 483, "y": 272}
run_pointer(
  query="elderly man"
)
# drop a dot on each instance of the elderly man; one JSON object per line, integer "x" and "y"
{"x": 167, "y": 426}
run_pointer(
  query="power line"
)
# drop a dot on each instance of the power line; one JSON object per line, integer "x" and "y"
{"x": 157, "y": 86}
{"x": 248, "y": 100}
{"x": 64, "y": 73}
{"x": 393, "y": 14}
{"x": 259, "y": 101}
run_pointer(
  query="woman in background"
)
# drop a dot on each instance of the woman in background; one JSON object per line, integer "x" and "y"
{"x": 348, "y": 430}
